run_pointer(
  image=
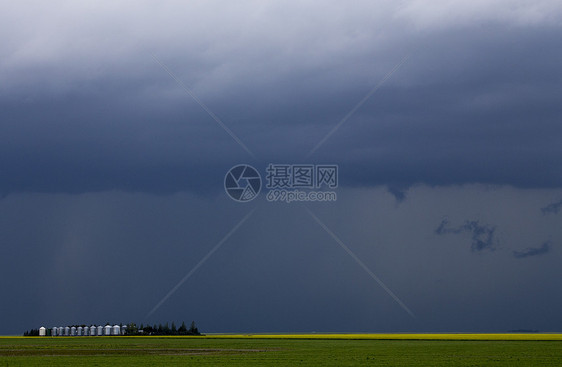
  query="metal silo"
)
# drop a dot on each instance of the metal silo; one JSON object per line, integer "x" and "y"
{"x": 86, "y": 331}
{"x": 100, "y": 331}
{"x": 73, "y": 331}
{"x": 116, "y": 330}
{"x": 93, "y": 330}
{"x": 107, "y": 330}
{"x": 42, "y": 331}
{"x": 66, "y": 331}
{"x": 123, "y": 329}
{"x": 79, "y": 331}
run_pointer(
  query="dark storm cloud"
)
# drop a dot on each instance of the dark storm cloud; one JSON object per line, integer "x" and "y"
{"x": 553, "y": 208}
{"x": 474, "y": 103}
{"x": 482, "y": 235}
{"x": 532, "y": 251}
{"x": 112, "y": 176}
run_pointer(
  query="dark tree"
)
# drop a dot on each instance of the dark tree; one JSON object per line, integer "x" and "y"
{"x": 132, "y": 329}
{"x": 183, "y": 329}
{"x": 193, "y": 329}
{"x": 32, "y": 332}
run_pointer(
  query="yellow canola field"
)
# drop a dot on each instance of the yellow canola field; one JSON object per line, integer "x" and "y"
{"x": 351, "y": 336}
{"x": 400, "y": 336}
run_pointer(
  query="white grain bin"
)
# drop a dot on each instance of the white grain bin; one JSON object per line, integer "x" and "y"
{"x": 73, "y": 331}
{"x": 42, "y": 331}
{"x": 100, "y": 331}
{"x": 93, "y": 330}
{"x": 79, "y": 331}
{"x": 86, "y": 331}
{"x": 54, "y": 331}
{"x": 116, "y": 330}
{"x": 60, "y": 331}
{"x": 107, "y": 330}
{"x": 66, "y": 331}
{"x": 123, "y": 329}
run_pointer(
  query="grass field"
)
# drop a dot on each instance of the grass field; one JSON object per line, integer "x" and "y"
{"x": 287, "y": 350}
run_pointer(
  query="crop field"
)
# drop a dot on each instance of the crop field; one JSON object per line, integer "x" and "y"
{"x": 287, "y": 350}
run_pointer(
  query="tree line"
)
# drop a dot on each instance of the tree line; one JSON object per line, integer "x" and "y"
{"x": 165, "y": 329}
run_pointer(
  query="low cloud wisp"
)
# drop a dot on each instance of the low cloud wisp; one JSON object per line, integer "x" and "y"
{"x": 532, "y": 251}
{"x": 482, "y": 235}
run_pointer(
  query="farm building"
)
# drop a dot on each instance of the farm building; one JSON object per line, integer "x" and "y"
{"x": 93, "y": 330}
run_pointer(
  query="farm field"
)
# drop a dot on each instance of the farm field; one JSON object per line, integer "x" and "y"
{"x": 288, "y": 350}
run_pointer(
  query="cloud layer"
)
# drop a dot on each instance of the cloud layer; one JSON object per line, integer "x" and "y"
{"x": 86, "y": 108}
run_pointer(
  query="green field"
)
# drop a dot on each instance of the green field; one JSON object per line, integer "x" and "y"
{"x": 287, "y": 350}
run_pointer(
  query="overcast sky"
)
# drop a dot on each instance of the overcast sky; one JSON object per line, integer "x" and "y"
{"x": 119, "y": 121}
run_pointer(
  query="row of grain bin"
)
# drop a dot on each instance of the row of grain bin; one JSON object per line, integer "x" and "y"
{"x": 93, "y": 330}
